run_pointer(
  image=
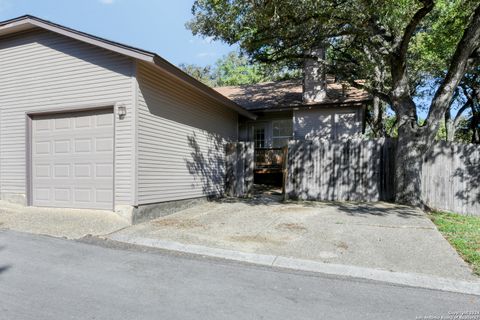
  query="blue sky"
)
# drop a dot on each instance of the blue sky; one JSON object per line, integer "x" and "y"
{"x": 154, "y": 25}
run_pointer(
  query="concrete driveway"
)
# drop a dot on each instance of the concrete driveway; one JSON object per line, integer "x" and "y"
{"x": 381, "y": 236}
{"x": 68, "y": 223}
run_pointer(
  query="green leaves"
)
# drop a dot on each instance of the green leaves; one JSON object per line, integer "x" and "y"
{"x": 202, "y": 74}
{"x": 235, "y": 69}
{"x": 281, "y": 31}
{"x": 434, "y": 44}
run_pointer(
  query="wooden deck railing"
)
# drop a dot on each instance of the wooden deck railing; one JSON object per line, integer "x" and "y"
{"x": 269, "y": 159}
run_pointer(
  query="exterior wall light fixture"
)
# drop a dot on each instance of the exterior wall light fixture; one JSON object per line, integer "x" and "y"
{"x": 121, "y": 111}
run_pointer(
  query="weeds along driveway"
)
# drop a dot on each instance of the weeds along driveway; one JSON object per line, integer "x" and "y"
{"x": 69, "y": 223}
{"x": 381, "y": 235}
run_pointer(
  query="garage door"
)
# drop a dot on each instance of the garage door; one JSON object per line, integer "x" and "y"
{"x": 72, "y": 160}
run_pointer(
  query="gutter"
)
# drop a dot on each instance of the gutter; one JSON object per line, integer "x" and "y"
{"x": 357, "y": 103}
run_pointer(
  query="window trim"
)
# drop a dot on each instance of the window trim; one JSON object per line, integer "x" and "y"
{"x": 263, "y": 134}
{"x": 279, "y": 137}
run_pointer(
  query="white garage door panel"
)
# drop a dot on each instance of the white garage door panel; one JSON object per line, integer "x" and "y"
{"x": 72, "y": 160}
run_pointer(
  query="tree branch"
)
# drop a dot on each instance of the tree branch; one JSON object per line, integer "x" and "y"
{"x": 381, "y": 95}
{"x": 409, "y": 31}
{"x": 460, "y": 112}
{"x": 394, "y": 125}
{"x": 469, "y": 42}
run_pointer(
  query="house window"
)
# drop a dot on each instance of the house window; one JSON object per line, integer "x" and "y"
{"x": 281, "y": 133}
{"x": 259, "y": 137}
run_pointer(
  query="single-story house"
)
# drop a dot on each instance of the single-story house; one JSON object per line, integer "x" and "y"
{"x": 283, "y": 114}
{"x": 90, "y": 123}
{"x": 293, "y": 109}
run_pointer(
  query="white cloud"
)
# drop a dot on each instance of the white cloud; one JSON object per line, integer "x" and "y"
{"x": 107, "y": 1}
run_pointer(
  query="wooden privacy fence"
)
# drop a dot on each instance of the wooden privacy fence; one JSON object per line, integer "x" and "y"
{"x": 363, "y": 170}
{"x": 351, "y": 170}
{"x": 451, "y": 178}
{"x": 239, "y": 169}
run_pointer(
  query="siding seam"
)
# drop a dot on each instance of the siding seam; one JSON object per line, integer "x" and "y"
{"x": 169, "y": 114}
{"x": 135, "y": 131}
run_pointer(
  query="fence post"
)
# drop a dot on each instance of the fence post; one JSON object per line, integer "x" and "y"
{"x": 249, "y": 167}
{"x": 230, "y": 172}
{"x": 285, "y": 173}
{"x": 239, "y": 169}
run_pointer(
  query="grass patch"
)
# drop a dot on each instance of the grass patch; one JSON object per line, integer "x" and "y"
{"x": 463, "y": 233}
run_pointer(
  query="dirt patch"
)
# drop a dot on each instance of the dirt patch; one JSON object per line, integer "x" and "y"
{"x": 180, "y": 224}
{"x": 341, "y": 245}
{"x": 295, "y": 227}
{"x": 295, "y": 209}
{"x": 257, "y": 239}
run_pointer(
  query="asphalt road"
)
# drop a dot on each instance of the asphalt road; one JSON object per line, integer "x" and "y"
{"x": 50, "y": 278}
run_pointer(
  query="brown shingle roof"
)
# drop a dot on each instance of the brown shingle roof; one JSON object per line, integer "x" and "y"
{"x": 288, "y": 94}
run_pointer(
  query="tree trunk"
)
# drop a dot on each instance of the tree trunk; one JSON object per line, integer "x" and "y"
{"x": 475, "y": 127}
{"x": 377, "y": 121}
{"x": 411, "y": 147}
{"x": 449, "y": 126}
{"x": 414, "y": 141}
{"x": 411, "y": 141}
{"x": 475, "y": 107}
{"x": 376, "y": 118}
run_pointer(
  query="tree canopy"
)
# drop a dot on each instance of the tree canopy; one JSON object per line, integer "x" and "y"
{"x": 360, "y": 35}
{"x": 393, "y": 46}
{"x": 235, "y": 69}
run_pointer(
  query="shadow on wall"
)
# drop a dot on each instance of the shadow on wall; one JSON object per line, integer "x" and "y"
{"x": 363, "y": 170}
{"x": 337, "y": 170}
{"x": 469, "y": 174}
{"x": 207, "y": 163}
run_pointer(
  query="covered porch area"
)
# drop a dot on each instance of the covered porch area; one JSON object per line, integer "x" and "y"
{"x": 269, "y": 135}
{"x": 270, "y": 167}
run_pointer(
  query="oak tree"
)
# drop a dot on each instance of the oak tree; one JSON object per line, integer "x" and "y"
{"x": 362, "y": 36}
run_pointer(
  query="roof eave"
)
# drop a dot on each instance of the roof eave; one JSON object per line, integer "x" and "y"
{"x": 185, "y": 78}
{"x": 29, "y": 22}
{"x": 315, "y": 106}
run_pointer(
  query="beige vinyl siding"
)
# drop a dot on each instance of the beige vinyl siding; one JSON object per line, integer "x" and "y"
{"x": 327, "y": 123}
{"x": 181, "y": 139}
{"x": 41, "y": 70}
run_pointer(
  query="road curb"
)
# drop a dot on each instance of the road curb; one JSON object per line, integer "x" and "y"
{"x": 400, "y": 278}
